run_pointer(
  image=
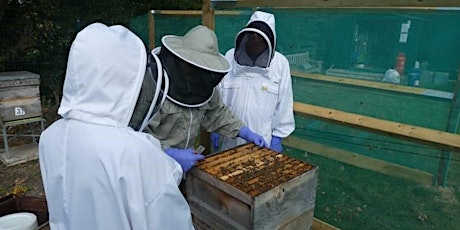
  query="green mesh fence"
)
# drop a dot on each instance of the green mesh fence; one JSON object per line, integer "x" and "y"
{"x": 363, "y": 41}
{"x": 367, "y": 43}
{"x": 363, "y": 44}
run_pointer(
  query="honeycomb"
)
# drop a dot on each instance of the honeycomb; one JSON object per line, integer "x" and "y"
{"x": 252, "y": 169}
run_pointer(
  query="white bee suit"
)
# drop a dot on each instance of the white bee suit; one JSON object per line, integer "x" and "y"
{"x": 260, "y": 96}
{"x": 99, "y": 173}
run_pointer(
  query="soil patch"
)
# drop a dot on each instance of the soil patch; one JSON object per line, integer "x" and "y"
{"x": 24, "y": 178}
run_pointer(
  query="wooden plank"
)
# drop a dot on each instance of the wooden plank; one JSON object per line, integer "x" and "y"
{"x": 176, "y": 12}
{"x": 244, "y": 197}
{"x": 321, "y": 225}
{"x": 375, "y": 85}
{"x": 151, "y": 30}
{"x": 343, "y": 3}
{"x": 15, "y": 93}
{"x": 8, "y": 205}
{"x": 220, "y": 203}
{"x": 226, "y": 155}
{"x": 22, "y": 121}
{"x": 208, "y": 15}
{"x": 208, "y": 19}
{"x": 199, "y": 12}
{"x": 211, "y": 218}
{"x": 358, "y": 160}
{"x": 17, "y": 82}
{"x": 20, "y": 76}
{"x": 35, "y": 205}
{"x": 306, "y": 219}
{"x": 20, "y": 109}
{"x": 435, "y": 138}
{"x": 286, "y": 202}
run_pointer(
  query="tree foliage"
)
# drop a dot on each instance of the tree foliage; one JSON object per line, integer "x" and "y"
{"x": 37, "y": 34}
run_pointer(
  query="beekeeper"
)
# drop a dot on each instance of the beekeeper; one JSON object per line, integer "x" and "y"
{"x": 258, "y": 88}
{"x": 99, "y": 170}
{"x": 194, "y": 66}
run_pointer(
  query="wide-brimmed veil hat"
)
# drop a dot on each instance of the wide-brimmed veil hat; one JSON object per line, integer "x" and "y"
{"x": 199, "y": 47}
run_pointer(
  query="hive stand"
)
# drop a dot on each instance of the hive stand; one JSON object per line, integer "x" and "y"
{"x": 19, "y": 105}
{"x": 20, "y": 154}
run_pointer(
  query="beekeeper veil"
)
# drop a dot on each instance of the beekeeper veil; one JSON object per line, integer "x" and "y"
{"x": 194, "y": 66}
{"x": 152, "y": 94}
{"x": 255, "y": 44}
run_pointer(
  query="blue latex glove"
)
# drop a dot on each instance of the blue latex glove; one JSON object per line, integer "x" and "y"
{"x": 187, "y": 158}
{"x": 215, "y": 137}
{"x": 275, "y": 145}
{"x": 249, "y": 136}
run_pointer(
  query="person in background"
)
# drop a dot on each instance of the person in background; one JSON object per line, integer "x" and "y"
{"x": 99, "y": 170}
{"x": 258, "y": 89}
{"x": 194, "y": 66}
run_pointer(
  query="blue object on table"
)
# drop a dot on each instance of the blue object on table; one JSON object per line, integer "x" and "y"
{"x": 414, "y": 77}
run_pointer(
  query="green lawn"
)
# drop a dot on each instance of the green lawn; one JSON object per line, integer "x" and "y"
{"x": 353, "y": 198}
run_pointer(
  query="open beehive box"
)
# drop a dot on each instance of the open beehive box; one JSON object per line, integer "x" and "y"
{"x": 249, "y": 187}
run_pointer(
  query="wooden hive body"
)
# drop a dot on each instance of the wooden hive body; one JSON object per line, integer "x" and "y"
{"x": 249, "y": 187}
{"x": 19, "y": 96}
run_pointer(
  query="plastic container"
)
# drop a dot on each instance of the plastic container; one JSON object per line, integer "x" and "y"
{"x": 414, "y": 77}
{"x": 19, "y": 221}
{"x": 391, "y": 76}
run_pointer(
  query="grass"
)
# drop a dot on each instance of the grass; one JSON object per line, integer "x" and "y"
{"x": 353, "y": 198}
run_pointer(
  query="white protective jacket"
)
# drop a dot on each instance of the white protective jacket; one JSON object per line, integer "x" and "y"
{"x": 260, "y": 96}
{"x": 98, "y": 173}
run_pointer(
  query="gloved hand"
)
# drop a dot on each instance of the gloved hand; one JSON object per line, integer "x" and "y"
{"x": 275, "y": 145}
{"x": 187, "y": 158}
{"x": 249, "y": 136}
{"x": 215, "y": 137}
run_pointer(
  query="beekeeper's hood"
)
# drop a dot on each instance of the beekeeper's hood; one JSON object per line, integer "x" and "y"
{"x": 194, "y": 65}
{"x": 255, "y": 44}
{"x": 111, "y": 79}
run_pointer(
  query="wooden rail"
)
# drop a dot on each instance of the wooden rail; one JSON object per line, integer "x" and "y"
{"x": 340, "y": 3}
{"x": 321, "y": 225}
{"x": 375, "y": 85}
{"x": 452, "y": 126}
{"x": 432, "y": 137}
{"x": 360, "y": 161}
{"x": 198, "y": 12}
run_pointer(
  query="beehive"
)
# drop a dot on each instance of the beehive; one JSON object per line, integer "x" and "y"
{"x": 19, "y": 105}
{"x": 19, "y": 95}
{"x": 249, "y": 187}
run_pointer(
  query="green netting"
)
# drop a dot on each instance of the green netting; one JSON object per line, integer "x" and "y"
{"x": 356, "y": 44}
{"x": 346, "y": 38}
{"x": 364, "y": 41}
{"x": 363, "y": 44}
